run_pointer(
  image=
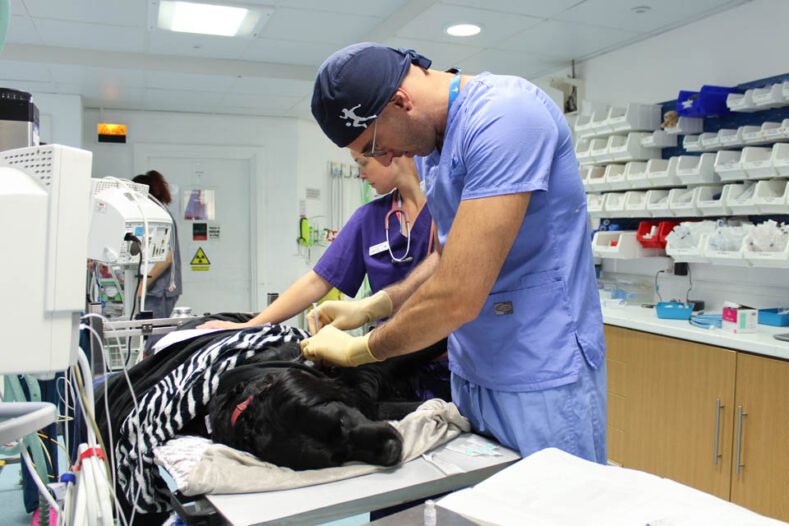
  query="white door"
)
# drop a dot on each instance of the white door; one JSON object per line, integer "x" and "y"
{"x": 226, "y": 282}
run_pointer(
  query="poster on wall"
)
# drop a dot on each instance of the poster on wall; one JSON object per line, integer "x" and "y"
{"x": 199, "y": 205}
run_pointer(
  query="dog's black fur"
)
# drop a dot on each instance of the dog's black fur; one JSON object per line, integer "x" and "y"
{"x": 309, "y": 418}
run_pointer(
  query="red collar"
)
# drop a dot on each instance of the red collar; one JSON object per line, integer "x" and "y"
{"x": 240, "y": 408}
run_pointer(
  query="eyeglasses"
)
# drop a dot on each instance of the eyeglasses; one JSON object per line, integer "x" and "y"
{"x": 372, "y": 152}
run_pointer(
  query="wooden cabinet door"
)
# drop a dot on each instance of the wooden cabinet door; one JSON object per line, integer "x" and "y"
{"x": 762, "y": 481}
{"x": 668, "y": 390}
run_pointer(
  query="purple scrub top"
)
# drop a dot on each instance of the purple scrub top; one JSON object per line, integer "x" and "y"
{"x": 348, "y": 258}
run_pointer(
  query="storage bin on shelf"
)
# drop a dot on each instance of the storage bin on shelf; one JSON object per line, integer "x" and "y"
{"x": 682, "y": 202}
{"x": 780, "y": 159}
{"x": 768, "y": 97}
{"x": 772, "y": 197}
{"x": 738, "y": 198}
{"x": 636, "y": 204}
{"x": 594, "y": 204}
{"x": 691, "y": 254}
{"x": 776, "y": 133}
{"x": 728, "y": 165}
{"x": 615, "y": 177}
{"x": 634, "y": 117}
{"x": 662, "y": 172}
{"x": 779, "y": 258}
{"x": 582, "y": 150}
{"x": 741, "y": 102}
{"x": 751, "y": 134}
{"x": 598, "y": 150}
{"x": 709, "y": 141}
{"x": 636, "y": 174}
{"x": 725, "y": 257}
{"x": 599, "y": 124}
{"x": 652, "y": 234}
{"x": 659, "y": 139}
{"x": 621, "y": 244}
{"x": 757, "y": 162}
{"x": 692, "y": 143}
{"x": 595, "y": 180}
{"x": 586, "y": 173}
{"x": 709, "y": 201}
{"x": 582, "y": 124}
{"x": 697, "y": 169}
{"x": 657, "y": 203}
{"x": 768, "y": 130}
{"x": 729, "y": 138}
{"x": 709, "y": 101}
{"x": 686, "y": 125}
{"x": 623, "y": 148}
{"x": 614, "y": 204}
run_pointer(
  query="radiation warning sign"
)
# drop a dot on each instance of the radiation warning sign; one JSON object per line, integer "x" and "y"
{"x": 200, "y": 262}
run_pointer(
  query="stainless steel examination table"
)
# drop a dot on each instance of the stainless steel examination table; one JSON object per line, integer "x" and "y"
{"x": 417, "y": 479}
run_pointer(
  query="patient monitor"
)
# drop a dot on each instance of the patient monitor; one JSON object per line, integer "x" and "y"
{"x": 44, "y": 222}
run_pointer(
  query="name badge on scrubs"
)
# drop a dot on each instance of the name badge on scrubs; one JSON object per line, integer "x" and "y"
{"x": 377, "y": 249}
{"x": 503, "y": 308}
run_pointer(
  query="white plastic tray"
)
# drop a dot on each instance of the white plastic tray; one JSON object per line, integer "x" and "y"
{"x": 686, "y": 125}
{"x": 682, "y": 202}
{"x": 690, "y": 254}
{"x": 768, "y": 97}
{"x": 732, "y": 195}
{"x": 780, "y": 159}
{"x": 692, "y": 143}
{"x": 594, "y": 204}
{"x": 663, "y": 172}
{"x": 697, "y": 169}
{"x": 636, "y": 204}
{"x": 614, "y": 204}
{"x": 595, "y": 180}
{"x": 615, "y": 177}
{"x": 776, "y": 133}
{"x": 657, "y": 203}
{"x": 659, "y": 139}
{"x": 751, "y": 134}
{"x": 766, "y": 259}
{"x": 598, "y": 150}
{"x": 729, "y": 138}
{"x": 742, "y": 102}
{"x": 628, "y": 148}
{"x": 582, "y": 150}
{"x": 633, "y": 117}
{"x": 757, "y": 162}
{"x": 707, "y": 204}
{"x": 734, "y": 257}
{"x": 621, "y": 245}
{"x": 709, "y": 141}
{"x": 636, "y": 174}
{"x": 772, "y": 197}
{"x": 586, "y": 175}
{"x": 728, "y": 165}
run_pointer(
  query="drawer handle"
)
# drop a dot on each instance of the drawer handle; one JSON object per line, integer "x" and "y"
{"x": 718, "y": 407}
{"x": 740, "y": 414}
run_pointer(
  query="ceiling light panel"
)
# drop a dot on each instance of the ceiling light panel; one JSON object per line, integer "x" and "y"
{"x": 463, "y": 30}
{"x": 231, "y": 20}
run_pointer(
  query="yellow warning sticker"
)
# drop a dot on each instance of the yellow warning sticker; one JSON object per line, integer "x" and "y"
{"x": 200, "y": 262}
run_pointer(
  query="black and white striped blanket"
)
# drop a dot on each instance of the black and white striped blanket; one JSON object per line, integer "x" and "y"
{"x": 174, "y": 401}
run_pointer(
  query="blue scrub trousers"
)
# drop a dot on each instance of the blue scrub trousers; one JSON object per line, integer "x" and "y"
{"x": 570, "y": 417}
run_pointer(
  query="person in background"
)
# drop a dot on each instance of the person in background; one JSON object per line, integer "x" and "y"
{"x": 514, "y": 287}
{"x": 362, "y": 248}
{"x": 164, "y": 278}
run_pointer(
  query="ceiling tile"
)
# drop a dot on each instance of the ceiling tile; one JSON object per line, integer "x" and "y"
{"x": 30, "y": 86}
{"x": 272, "y": 103}
{"x": 538, "y": 8}
{"x": 442, "y": 54}
{"x": 187, "y": 44}
{"x": 318, "y": 26}
{"x": 288, "y": 51}
{"x": 430, "y": 25}
{"x": 266, "y": 87}
{"x": 566, "y": 40}
{"x": 106, "y": 12}
{"x": 18, "y": 8}
{"x": 663, "y": 14}
{"x": 126, "y": 98}
{"x": 11, "y": 70}
{"x": 90, "y": 76}
{"x": 90, "y": 36}
{"x": 174, "y": 81}
{"x": 378, "y": 8}
{"x": 509, "y": 63}
{"x": 21, "y": 30}
{"x": 179, "y": 100}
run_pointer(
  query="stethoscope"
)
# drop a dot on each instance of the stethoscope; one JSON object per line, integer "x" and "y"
{"x": 397, "y": 209}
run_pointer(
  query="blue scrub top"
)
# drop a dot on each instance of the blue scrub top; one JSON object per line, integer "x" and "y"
{"x": 542, "y": 318}
{"x": 348, "y": 258}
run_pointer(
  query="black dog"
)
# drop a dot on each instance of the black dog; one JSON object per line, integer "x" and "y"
{"x": 301, "y": 417}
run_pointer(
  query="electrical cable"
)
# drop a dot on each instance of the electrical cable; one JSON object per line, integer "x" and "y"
{"x": 657, "y": 287}
{"x": 42, "y": 488}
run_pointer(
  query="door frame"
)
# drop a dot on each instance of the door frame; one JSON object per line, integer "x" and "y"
{"x": 144, "y": 151}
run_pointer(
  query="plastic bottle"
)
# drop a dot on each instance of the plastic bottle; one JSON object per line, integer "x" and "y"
{"x": 430, "y": 513}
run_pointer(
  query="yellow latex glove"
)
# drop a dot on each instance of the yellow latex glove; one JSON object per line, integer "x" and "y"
{"x": 339, "y": 348}
{"x": 347, "y": 315}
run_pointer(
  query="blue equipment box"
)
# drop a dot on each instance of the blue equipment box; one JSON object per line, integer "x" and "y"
{"x": 674, "y": 310}
{"x": 775, "y": 317}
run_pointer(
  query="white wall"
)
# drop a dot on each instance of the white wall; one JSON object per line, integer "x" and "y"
{"x": 293, "y": 150}
{"x": 745, "y": 43}
{"x": 742, "y": 44}
{"x": 60, "y": 118}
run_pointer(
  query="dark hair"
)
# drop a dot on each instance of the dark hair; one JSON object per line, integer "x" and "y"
{"x": 157, "y": 185}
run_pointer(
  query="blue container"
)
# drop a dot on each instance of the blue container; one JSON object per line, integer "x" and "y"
{"x": 708, "y": 102}
{"x": 674, "y": 310}
{"x": 772, "y": 317}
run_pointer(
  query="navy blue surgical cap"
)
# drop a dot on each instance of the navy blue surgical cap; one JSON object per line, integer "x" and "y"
{"x": 354, "y": 85}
